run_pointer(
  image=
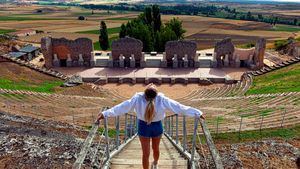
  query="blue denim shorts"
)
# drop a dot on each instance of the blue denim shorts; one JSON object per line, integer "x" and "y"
{"x": 154, "y": 129}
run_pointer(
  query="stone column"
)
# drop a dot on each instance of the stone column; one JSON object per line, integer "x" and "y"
{"x": 226, "y": 60}
{"x": 185, "y": 61}
{"x": 196, "y": 60}
{"x": 110, "y": 62}
{"x": 250, "y": 61}
{"x": 163, "y": 63}
{"x": 175, "y": 61}
{"x": 214, "y": 60}
{"x": 143, "y": 60}
{"x": 121, "y": 61}
{"x": 80, "y": 60}
{"x": 69, "y": 61}
{"x": 132, "y": 61}
{"x": 55, "y": 60}
{"x": 92, "y": 60}
{"x": 237, "y": 61}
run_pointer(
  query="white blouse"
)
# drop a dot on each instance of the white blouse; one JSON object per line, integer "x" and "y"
{"x": 138, "y": 104}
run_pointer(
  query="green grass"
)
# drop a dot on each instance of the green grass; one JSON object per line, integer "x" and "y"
{"x": 254, "y": 135}
{"x": 109, "y": 31}
{"x": 283, "y": 80}
{"x": 97, "y": 46}
{"x": 4, "y": 31}
{"x": 286, "y": 28}
{"x": 14, "y": 18}
{"x": 47, "y": 86}
{"x": 120, "y": 19}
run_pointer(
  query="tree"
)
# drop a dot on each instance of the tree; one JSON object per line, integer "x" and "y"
{"x": 81, "y": 18}
{"x": 260, "y": 17}
{"x": 148, "y": 15}
{"x": 176, "y": 25}
{"x": 122, "y": 33}
{"x": 295, "y": 21}
{"x": 156, "y": 18}
{"x": 103, "y": 38}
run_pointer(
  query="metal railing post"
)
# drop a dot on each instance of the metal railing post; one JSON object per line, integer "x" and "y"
{"x": 169, "y": 126}
{"x": 176, "y": 128}
{"x": 118, "y": 132}
{"x": 106, "y": 138}
{"x": 130, "y": 119}
{"x": 136, "y": 125}
{"x": 172, "y": 126}
{"x": 184, "y": 134}
{"x": 125, "y": 139}
{"x": 194, "y": 141}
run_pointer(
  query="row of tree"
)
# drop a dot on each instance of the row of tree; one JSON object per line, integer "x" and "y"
{"x": 209, "y": 11}
{"x": 148, "y": 28}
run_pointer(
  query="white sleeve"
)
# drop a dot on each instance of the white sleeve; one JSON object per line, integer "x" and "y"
{"x": 121, "y": 108}
{"x": 178, "y": 108}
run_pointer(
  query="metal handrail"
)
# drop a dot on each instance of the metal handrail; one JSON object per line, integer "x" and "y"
{"x": 182, "y": 147}
{"x": 109, "y": 151}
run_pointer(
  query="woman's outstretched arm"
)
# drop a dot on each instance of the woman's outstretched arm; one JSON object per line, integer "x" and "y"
{"x": 119, "y": 109}
{"x": 178, "y": 108}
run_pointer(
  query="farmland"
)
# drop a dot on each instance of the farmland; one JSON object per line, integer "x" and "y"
{"x": 63, "y": 22}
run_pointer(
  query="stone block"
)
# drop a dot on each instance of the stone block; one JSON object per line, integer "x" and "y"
{"x": 132, "y": 63}
{"x": 56, "y": 63}
{"x": 175, "y": 64}
{"x": 163, "y": 64}
{"x": 197, "y": 64}
{"x": 121, "y": 63}
{"x": 186, "y": 64}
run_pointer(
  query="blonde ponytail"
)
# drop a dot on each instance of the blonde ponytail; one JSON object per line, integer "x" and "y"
{"x": 149, "y": 114}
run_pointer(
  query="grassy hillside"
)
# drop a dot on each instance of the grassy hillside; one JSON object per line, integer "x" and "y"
{"x": 16, "y": 77}
{"x": 283, "y": 80}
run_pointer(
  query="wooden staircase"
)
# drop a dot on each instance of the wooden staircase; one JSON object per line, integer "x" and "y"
{"x": 131, "y": 156}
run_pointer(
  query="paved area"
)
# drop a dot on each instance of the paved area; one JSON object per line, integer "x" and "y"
{"x": 153, "y": 73}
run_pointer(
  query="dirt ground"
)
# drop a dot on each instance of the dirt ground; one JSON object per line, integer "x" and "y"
{"x": 173, "y": 91}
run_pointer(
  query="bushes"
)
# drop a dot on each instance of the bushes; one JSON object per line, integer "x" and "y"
{"x": 281, "y": 44}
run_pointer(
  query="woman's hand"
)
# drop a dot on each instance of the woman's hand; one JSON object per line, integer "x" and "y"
{"x": 202, "y": 117}
{"x": 100, "y": 117}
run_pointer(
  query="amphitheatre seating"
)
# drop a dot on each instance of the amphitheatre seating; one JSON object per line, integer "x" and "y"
{"x": 31, "y": 66}
{"x": 237, "y": 89}
{"x": 267, "y": 69}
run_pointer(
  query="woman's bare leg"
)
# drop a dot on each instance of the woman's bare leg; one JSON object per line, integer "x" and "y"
{"x": 145, "y": 142}
{"x": 155, "y": 148}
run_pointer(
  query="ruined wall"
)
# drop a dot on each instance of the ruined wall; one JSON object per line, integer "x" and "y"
{"x": 62, "y": 47}
{"x": 127, "y": 46}
{"x": 180, "y": 48}
{"x": 243, "y": 54}
{"x": 223, "y": 48}
{"x": 46, "y": 48}
{"x": 259, "y": 53}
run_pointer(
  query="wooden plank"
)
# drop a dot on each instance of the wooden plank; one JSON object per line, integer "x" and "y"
{"x": 180, "y": 162}
{"x": 214, "y": 152}
{"x": 86, "y": 145}
{"x": 116, "y": 166}
{"x": 131, "y": 156}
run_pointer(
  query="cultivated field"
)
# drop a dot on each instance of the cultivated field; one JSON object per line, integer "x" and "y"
{"x": 63, "y": 22}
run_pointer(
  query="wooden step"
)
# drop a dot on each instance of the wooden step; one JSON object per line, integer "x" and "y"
{"x": 131, "y": 156}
